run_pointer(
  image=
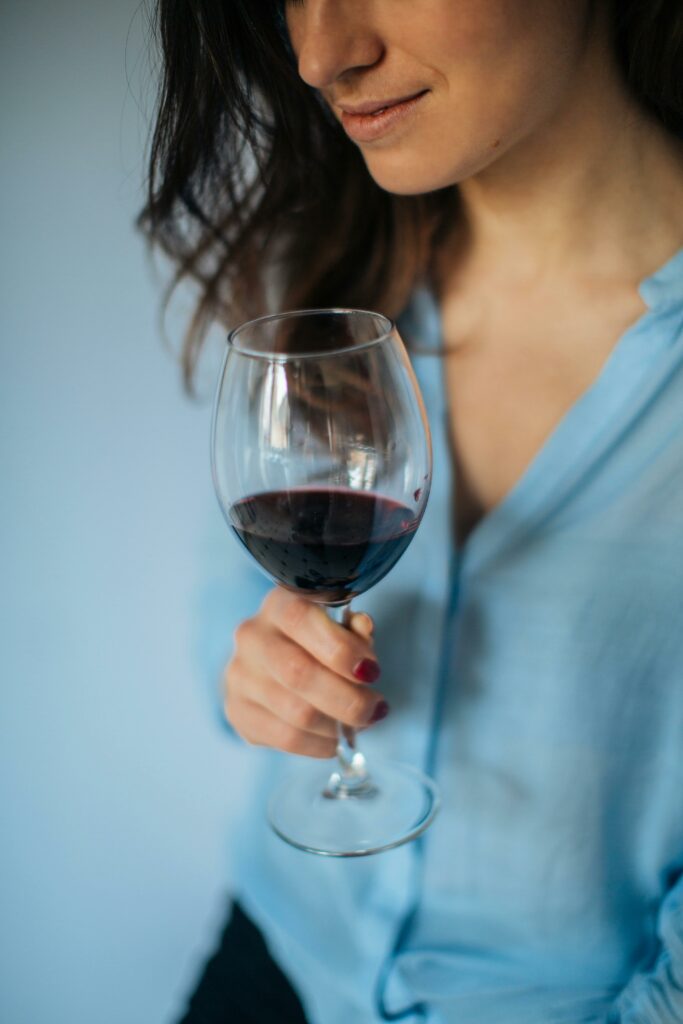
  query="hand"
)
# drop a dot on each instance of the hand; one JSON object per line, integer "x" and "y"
{"x": 295, "y": 673}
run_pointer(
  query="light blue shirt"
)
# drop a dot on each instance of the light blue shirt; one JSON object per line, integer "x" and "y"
{"x": 537, "y": 673}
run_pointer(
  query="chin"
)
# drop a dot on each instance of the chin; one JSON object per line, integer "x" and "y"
{"x": 403, "y": 173}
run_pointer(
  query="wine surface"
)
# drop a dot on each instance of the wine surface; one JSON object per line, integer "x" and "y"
{"x": 329, "y": 544}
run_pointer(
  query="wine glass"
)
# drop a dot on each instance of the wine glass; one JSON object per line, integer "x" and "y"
{"x": 321, "y": 458}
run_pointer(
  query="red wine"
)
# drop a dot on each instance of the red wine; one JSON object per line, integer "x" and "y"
{"x": 327, "y": 543}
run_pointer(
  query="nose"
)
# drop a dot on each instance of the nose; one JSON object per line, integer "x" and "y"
{"x": 332, "y": 37}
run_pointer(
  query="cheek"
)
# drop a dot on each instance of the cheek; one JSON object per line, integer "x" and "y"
{"x": 482, "y": 49}
{"x": 482, "y": 29}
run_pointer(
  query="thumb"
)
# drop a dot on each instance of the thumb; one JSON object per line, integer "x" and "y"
{"x": 362, "y": 624}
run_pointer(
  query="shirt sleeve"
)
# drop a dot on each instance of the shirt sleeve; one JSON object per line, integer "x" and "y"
{"x": 231, "y": 589}
{"x": 655, "y": 995}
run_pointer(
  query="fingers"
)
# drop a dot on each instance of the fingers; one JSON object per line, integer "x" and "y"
{"x": 302, "y": 681}
{"x": 295, "y": 674}
{"x": 251, "y": 683}
{"x": 262, "y": 728}
{"x": 341, "y": 650}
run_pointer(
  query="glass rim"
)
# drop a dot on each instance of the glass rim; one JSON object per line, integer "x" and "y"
{"x": 283, "y": 357}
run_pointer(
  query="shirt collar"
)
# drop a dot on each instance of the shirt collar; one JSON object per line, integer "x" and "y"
{"x": 664, "y": 288}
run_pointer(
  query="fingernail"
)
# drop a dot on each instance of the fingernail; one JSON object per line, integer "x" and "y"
{"x": 366, "y": 670}
{"x": 380, "y": 712}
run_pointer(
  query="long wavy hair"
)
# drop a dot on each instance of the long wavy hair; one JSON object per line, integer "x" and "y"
{"x": 256, "y": 193}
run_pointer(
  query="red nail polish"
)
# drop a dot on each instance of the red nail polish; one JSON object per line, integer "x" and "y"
{"x": 380, "y": 712}
{"x": 366, "y": 670}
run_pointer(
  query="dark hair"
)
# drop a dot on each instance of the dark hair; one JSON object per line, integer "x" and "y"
{"x": 256, "y": 192}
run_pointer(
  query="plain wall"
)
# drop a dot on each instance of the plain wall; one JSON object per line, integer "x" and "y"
{"x": 117, "y": 779}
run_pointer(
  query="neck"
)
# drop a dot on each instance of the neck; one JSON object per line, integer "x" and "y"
{"x": 598, "y": 189}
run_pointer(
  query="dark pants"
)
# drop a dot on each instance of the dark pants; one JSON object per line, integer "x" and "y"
{"x": 241, "y": 983}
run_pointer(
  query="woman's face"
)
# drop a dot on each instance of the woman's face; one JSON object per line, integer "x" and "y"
{"x": 493, "y": 72}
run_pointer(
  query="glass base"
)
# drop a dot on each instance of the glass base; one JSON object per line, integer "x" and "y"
{"x": 396, "y": 806}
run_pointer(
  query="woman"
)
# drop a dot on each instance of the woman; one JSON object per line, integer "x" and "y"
{"x": 523, "y": 220}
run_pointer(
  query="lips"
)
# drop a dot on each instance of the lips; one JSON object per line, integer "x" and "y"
{"x": 366, "y": 127}
{"x": 374, "y": 106}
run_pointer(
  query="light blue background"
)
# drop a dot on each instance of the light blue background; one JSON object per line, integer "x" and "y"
{"x": 116, "y": 779}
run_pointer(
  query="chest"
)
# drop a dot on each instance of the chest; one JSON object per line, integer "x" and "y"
{"x": 508, "y": 385}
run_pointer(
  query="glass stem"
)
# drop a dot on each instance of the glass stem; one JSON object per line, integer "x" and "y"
{"x": 351, "y": 777}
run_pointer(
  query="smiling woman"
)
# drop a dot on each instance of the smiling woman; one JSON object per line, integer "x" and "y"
{"x": 251, "y": 168}
{"x": 504, "y": 178}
